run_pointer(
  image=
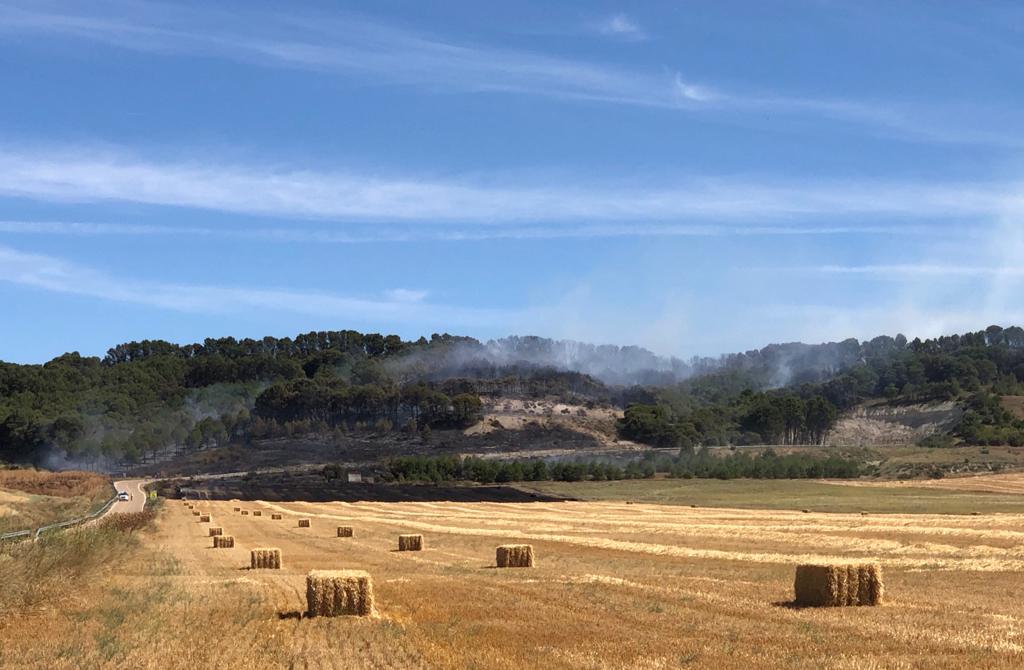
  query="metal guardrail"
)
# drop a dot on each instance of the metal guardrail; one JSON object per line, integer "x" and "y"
{"x": 15, "y": 535}
{"x": 35, "y": 534}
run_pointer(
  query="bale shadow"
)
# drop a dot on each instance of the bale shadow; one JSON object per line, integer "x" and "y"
{"x": 294, "y": 614}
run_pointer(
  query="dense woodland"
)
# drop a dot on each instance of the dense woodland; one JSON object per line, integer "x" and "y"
{"x": 144, "y": 397}
{"x": 733, "y": 406}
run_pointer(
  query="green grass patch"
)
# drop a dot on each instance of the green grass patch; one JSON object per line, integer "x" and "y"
{"x": 790, "y": 494}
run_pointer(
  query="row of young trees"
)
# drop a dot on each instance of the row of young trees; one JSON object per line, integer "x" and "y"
{"x": 434, "y": 469}
{"x": 701, "y": 464}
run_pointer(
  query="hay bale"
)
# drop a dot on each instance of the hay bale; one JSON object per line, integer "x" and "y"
{"x": 236, "y": 509}
{"x": 245, "y": 512}
{"x": 265, "y": 559}
{"x": 839, "y": 585}
{"x": 344, "y": 531}
{"x": 339, "y": 593}
{"x": 223, "y": 542}
{"x": 214, "y": 531}
{"x": 410, "y": 543}
{"x": 514, "y": 556}
{"x": 196, "y": 512}
{"x": 204, "y": 518}
{"x": 275, "y": 517}
{"x": 257, "y": 513}
{"x": 303, "y": 523}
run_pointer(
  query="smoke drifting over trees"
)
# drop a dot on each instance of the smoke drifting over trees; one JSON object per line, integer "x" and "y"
{"x": 144, "y": 397}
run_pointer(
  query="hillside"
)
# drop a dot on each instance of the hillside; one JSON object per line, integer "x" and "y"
{"x": 354, "y": 393}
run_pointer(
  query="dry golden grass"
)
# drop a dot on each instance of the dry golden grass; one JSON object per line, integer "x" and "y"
{"x": 619, "y": 586}
{"x": 1012, "y": 483}
{"x": 68, "y": 484}
{"x": 33, "y": 498}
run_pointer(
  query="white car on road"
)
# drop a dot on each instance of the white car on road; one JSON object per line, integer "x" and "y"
{"x": 123, "y": 495}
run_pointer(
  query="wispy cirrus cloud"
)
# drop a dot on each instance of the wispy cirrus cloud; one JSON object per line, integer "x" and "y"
{"x": 99, "y": 175}
{"x": 620, "y": 26}
{"x": 910, "y": 270}
{"x": 348, "y": 45}
{"x": 400, "y": 305}
{"x": 455, "y": 234}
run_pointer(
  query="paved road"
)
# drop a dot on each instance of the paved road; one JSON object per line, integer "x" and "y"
{"x": 137, "y": 501}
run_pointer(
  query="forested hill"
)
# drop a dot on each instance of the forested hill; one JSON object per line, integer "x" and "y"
{"x": 143, "y": 397}
{"x": 724, "y": 407}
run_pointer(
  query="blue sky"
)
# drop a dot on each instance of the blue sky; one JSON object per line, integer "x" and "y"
{"x": 693, "y": 177}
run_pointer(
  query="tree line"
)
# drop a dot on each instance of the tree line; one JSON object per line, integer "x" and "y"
{"x": 700, "y": 464}
{"x": 727, "y": 407}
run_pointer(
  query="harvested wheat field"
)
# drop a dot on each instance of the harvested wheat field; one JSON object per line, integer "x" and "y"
{"x": 620, "y": 586}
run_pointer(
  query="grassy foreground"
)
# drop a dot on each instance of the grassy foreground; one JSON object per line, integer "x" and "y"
{"x": 615, "y": 586}
{"x": 788, "y": 494}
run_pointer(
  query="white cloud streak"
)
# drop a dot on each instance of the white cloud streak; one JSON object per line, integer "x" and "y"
{"x": 96, "y": 175}
{"x": 395, "y": 306}
{"x": 622, "y": 27}
{"x": 347, "y": 45}
{"x": 383, "y": 54}
{"x": 930, "y": 270}
{"x": 388, "y": 234}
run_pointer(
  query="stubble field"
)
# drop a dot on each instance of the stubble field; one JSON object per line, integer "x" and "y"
{"x": 617, "y": 586}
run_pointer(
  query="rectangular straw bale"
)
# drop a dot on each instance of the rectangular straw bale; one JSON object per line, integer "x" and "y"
{"x": 265, "y": 558}
{"x": 204, "y": 518}
{"x": 196, "y": 512}
{"x": 839, "y": 585}
{"x": 275, "y": 517}
{"x": 214, "y": 531}
{"x": 257, "y": 513}
{"x": 245, "y": 512}
{"x": 339, "y": 593}
{"x": 410, "y": 543}
{"x": 303, "y": 523}
{"x": 514, "y": 556}
{"x": 344, "y": 531}
{"x": 223, "y": 541}
{"x": 236, "y": 509}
